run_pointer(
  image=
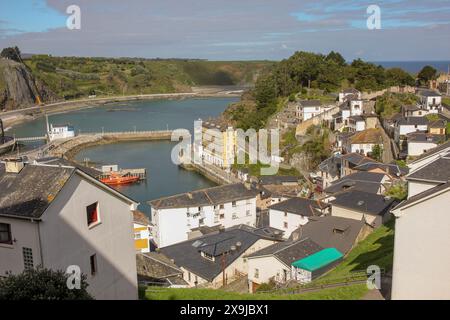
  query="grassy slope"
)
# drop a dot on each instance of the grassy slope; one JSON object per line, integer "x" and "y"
{"x": 72, "y": 77}
{"x": 376, "y": 249}
{"x": 346, "y": 293}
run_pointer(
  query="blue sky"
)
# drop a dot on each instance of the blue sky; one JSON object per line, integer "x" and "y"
{"x": 229, "y": 30}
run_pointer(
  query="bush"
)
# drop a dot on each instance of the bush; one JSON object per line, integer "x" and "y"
{"x": 41, "y": 284}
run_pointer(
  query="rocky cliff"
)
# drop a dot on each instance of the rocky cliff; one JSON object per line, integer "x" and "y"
{"x": 18, "y": 87}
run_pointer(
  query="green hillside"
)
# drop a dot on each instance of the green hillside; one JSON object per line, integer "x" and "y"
{"x": 74, "y": 77}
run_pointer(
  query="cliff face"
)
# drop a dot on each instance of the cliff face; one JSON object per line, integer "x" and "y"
{"x": 18, "y": 88}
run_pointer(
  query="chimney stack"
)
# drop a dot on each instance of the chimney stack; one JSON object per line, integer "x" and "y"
{"x": 14, "y": 165}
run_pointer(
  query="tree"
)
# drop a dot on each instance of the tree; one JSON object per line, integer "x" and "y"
{"x": 377, "y": 152}
{"x": 336, "y": 57}
{"x": 426, "y": 74}
{"x": 397, "y": 76}
{"x": 41, "y": 284}
{"x": 12, "y": 53}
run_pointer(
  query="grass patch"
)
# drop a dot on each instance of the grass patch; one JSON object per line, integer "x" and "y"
{"x": 345, "y": 293}
{"x": 376, "y": 249}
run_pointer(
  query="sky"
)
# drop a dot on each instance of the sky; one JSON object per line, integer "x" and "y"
{"x": 229, "y": 29}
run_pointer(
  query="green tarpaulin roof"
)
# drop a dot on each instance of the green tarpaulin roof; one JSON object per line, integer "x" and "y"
{"x": 319, "y": 259}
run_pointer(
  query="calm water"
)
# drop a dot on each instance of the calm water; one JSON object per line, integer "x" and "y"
{"x": 164, "y": 178}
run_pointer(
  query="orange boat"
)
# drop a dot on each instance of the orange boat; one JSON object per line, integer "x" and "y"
{"x": 115, "y": 179}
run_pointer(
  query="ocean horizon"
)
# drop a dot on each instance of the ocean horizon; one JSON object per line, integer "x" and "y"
{"x": 415, "y": 66}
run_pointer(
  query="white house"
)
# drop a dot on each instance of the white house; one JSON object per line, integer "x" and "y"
{"x": 420, "y": 143}
{"x": 362, "y": 206}
{"x": 290, "y": 214}
{"x": 56, "y": 132}
{"x": 307, "y": 109}
{"x": 356, "y": 107}
{"x": 176, "y": 218}
{"x": 421, "y": 254}
{"x": 350, "y": 92}
{"x": 356, "y": 123}
{"x": 429, "y": 175}
{"x": 429, "y": 156}
{"x": 59, "y": 216}
{"x": 363, "y": 142}
{"x": 301, "y": 261}
{"x": 409, "y": 125}
{"x": 219, "y": 258}
{"x": 431, "y": 100}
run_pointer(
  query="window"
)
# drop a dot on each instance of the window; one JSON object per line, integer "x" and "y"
{"x": 27, "y": 258}
{"x": 93, "y": 263}
{"x": 222, "y": 206}
{"x": 208, "y": 256}
{"x": 189, "y": 276}
{"x": 5, "y": 233}
{"x": 233, "y": 203}
{"x": 285, "y": 214}
{"x": 222, "y": 216}
{"x": 247, "y": 213}
{"x": 92, "y": 214}
{"x": 256, "y": 273}
{"x": 235, "y": 216}
{"x": 137, "y": 235}
{"x": 285, "y": 225}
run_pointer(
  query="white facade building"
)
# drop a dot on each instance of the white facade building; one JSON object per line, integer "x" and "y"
{"x": 431, "y": 101}
{"x": 421, "y": 255}
{"x": 56, "y": 217}
{"x": 178, "y": 218}
{"x": 309, "y": 108}
{"x": 290, "y": 214}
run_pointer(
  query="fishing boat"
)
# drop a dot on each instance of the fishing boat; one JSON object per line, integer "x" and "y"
{"x": 115, "y": 179}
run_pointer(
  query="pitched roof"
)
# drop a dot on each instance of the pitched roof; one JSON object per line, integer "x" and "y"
{"x": 373, "y": 136}
{"x": 424, "y": 137}
{"x": 330, "y": 231}
{"x": 319, "y": 259}
{"x": 365, "y": 202}
{"x": 440, "y": 124}
{"x": 187, "y": 254}
{"x": 300, "y": 206}
{"x": 423, "y": 195}
{"x": 310, "y": 103}
{"x": 55, "y": 161}
{"x": 355, "y": 158}
{"x": 362, "y": 180}
{"x": 289, "y": 251}
{"x": 413, "y": 121}
{"x": 391, "y": 168}
{"x": 204, "y": 197}
{"x": 156, "y": 265}
{"x": 29, "y": 193}
{"x": 350, "y": 90}
{"x": 140, "y": 217}
{"x": 429, "y": 93}
{"x": 278, "y": 179}
{"x": 436, "y": 171}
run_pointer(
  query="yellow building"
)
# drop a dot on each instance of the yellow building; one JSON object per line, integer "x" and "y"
{"x": 218, "y": 144}
{"x": 141, "y": 226}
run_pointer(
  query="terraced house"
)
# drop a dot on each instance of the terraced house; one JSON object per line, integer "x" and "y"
{"x": 60, "y": 216}
{"x": 185, "y": 216}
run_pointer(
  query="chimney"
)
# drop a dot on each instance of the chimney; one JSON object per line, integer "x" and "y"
{"x": 238, "y": 245}
{"x": 190, "y": 195}
{"x": 14, "y": 165}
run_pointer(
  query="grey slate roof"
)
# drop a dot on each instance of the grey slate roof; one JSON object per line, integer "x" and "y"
{"x": 362, "y": 180}
{"x": 413, "y": 121}
{"x": 289, "y": 251}
{"x": 28, "y": 193}
{"x": 355, "y": 158}
{"x": 350, "y": 90}
{"x": 278, "y": 179}
{"x": 436, "y": 171}
{"x": 424, "y": 137}
{"x": 300, "y": 206}
{"x": 209, "y": 196}
{"x": 187, "y": 254}
{"x": 365, "y": 202}
{"x": 55, "y": 161}
{"x": 332, "y": 232}
{"x": 310, "y": 103}
{"x": 423, "y": 195}
{"x": 429, "y": 93}
{"x": 392, "y": 168}
{"x": 331, "y": 165}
